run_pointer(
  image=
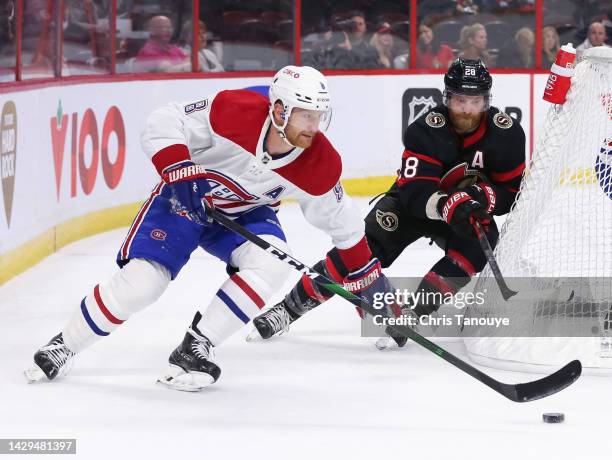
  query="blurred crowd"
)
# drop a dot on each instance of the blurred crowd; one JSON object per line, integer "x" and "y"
{"x": 159, "y": 35}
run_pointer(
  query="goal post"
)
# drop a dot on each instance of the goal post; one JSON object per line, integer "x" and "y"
{"x": 559, "y": 234}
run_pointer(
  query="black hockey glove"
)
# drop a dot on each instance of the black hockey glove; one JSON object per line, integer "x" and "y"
{"x": 484, "y": 194}
{"x": 461, "y": 211}
{"x": 189, "y": 187}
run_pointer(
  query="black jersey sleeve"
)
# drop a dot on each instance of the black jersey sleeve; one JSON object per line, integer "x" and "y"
{"x": 507, "y": 170}
{"x": 420, "y": 173}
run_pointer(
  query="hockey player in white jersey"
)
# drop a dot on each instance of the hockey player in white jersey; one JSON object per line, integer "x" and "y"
{"x": 242, "y": 153}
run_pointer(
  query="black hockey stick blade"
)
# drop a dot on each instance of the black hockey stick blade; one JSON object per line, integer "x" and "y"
{"x": 521, "y": 392}
{"x": 506, "y": 292}
{"x": 538, "y": 389}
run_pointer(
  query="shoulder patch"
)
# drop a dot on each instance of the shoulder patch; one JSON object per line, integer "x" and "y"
{"x": 435, "y": 120}
{"x": 239, "y": 115}
{"x": 387, "y": 220}
{"x": 195, "y": 106}
{"x": 503, "y": 120}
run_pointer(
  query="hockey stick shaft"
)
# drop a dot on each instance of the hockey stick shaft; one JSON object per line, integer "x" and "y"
{"x": 488, "y": 252}
{"x": 515, "y": 392}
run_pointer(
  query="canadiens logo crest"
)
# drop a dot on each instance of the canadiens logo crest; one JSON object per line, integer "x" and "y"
{"x": 435, "y": 120}
{"x": 387, "y": 220}
{"x": 228, "y": 191}
{"x": 502, "y": 120}
{"x": 158, "y": 234}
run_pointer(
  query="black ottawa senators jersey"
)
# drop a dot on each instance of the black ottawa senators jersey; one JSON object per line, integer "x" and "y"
{"x": 432, "y": 147}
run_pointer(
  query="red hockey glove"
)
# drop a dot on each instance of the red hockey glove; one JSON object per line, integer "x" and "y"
{"x": 370, "y": 283}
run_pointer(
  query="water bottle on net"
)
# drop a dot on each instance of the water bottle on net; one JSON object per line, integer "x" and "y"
{"x": 560, "y": 77}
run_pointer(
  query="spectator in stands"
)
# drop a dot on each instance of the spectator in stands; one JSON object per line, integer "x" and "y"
{"x": 596, "y": 36}
{"x": 208, "y": 61}
{"x": 331, "y": 53}
{"x": 158, "y": 54}
{"x": 607, "y": 22}
{"x": 473, "y": 44}
{"x": 518, "y": 53}
{"x": 81, "y": 20}
{"x": 467, "y": 7}
{"x": 382, "y": 41}
{"x": 550, "y": 46}
{"x": 39, "y": 39}
{"x": 83, "y": 31}
{"x": 363, "y": 55}
{"x": 430, "y": 54}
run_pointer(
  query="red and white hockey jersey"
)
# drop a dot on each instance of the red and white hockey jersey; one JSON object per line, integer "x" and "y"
{"x": 225, "y": 133}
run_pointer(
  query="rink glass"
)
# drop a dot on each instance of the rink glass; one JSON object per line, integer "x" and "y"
{"x": 8, "y": 49}
{"x": 66, "y": 38}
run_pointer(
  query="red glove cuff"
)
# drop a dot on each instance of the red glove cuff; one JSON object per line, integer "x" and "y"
{"x": 184, "y": 173}
{"x": 169, "y": 156}
{"x": 356, "y": 256}
{"x": 489, "y": 194}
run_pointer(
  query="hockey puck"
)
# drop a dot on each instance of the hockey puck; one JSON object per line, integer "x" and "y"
{"x": 553, "y": 417}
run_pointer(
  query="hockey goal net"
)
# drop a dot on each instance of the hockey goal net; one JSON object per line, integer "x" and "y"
{"x": 558, "y": 238}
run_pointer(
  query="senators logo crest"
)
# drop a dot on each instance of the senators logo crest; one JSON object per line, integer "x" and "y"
{"x": 387, "y": 220}
{"x": 502, "y": 120}
{"x": 435, "y": 120}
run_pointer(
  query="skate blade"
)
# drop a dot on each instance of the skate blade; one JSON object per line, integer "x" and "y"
{"x": 33, "y": 374}
{"x": 177, "y": 379}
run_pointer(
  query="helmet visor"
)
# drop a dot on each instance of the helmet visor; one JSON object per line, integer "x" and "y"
{"x": 461, "y": 101}
{"x": 309, "y": 120}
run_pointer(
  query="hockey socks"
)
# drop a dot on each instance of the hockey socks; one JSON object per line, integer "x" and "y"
{"x": 110, "y": 304}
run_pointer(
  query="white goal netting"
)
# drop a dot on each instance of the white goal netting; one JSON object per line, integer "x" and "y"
{"x": 559, "y": 235}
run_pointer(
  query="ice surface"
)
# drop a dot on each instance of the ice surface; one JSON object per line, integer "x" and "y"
{"x": 319, "y": 392}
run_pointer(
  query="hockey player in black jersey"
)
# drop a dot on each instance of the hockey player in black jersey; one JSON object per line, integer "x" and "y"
{"x": 464, "y": 138}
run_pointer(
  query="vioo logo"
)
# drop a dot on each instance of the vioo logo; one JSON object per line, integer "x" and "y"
{"x": 86, "y": 134}
{"x": 8, "y": 155}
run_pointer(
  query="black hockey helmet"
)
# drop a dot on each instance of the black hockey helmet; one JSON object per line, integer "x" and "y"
{"x": 469, "y": 77}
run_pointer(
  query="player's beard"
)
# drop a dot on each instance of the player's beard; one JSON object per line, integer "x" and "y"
{"x": 302, "y": 139}
{"x": 465, "y": 122}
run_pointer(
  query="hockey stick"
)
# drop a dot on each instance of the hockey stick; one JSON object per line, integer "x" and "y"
{"x": 521, "y": 392}
{"x": 556, "y": 294}
{"x": 488, "y": 252}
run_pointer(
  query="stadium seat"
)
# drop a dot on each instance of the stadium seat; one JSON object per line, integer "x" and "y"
{"x": 285, "y": 29}
{"x": 231, "y": 21}
{"x": 498, "y": 33}
{"x": 391, "y": 18}
{"x": 401, "y": 29}
{"x": 272, "y": 18}
{"x": 255, "y": 31}
{"x": 567, "y": 34}
{"x": 447, "y": 32}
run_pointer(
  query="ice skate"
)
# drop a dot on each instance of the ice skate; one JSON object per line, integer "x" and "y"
{"x": 190, "y": 366}
{"x": 52, "y": 360}
{"x": 274, "y": 321}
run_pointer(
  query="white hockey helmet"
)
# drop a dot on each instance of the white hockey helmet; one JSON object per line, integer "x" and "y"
{"x": 302, "y": 87}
